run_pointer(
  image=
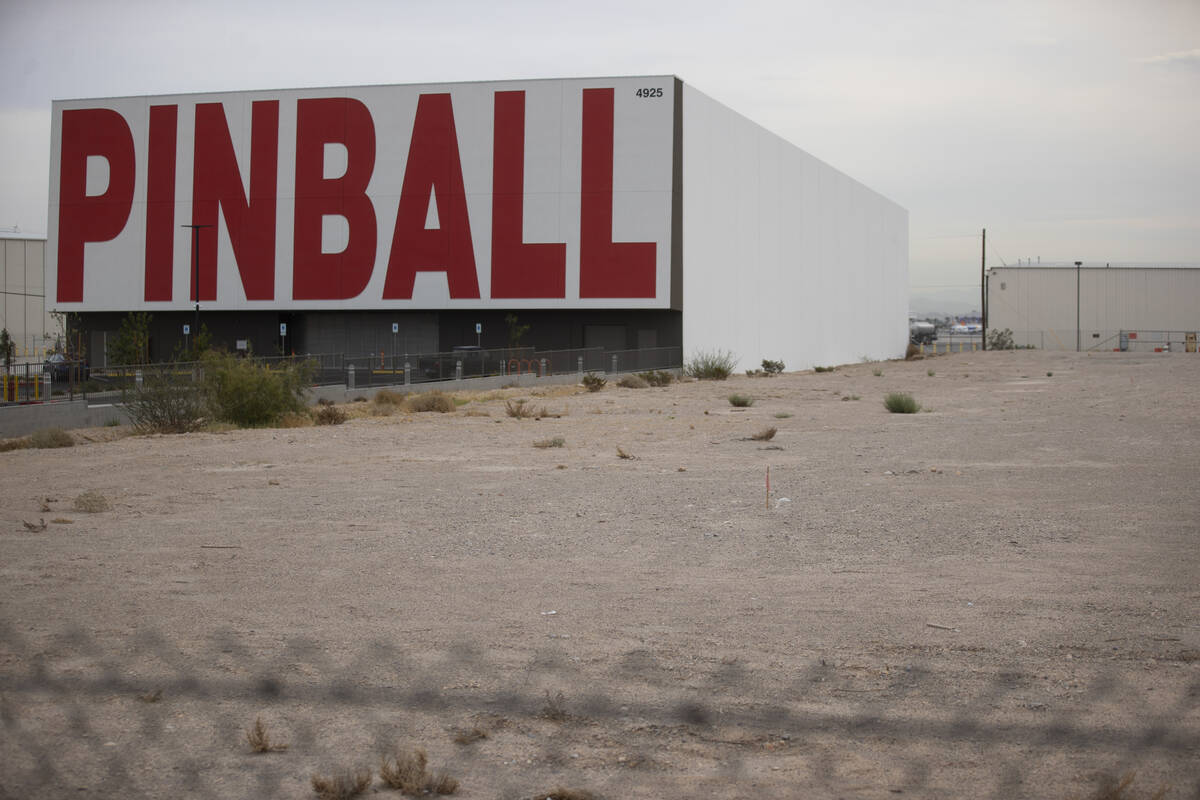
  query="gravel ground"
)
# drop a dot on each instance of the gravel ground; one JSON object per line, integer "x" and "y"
{"x": 996, "y": 597}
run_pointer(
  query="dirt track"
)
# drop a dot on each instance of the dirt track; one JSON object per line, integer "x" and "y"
{"x": 997, "y": 598}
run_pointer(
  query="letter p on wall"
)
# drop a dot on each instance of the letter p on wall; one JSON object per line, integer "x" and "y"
{"x": 87, "y": 134}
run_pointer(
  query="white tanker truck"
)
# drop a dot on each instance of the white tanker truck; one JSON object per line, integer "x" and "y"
{"x": 921, "y": 332}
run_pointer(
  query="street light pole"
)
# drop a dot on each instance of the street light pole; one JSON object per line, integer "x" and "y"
{"x": 1078, "y": 340}
{"x": 196, "y": 269}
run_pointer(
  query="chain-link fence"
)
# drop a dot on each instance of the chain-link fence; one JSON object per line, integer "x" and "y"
{"x": 82, "y": 716}
{"x": 69, "y": 379}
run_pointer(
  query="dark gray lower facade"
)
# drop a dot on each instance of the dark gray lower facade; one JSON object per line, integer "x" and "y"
{"x": 357, "y": 333}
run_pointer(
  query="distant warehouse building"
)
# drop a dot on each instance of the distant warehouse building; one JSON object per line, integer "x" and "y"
{"x": 620, "y": 213}
{"x": 1096, "y": 308}
{"x": 23, "y": 308}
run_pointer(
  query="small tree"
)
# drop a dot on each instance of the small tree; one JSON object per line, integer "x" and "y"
{"x": 515, "y": 329}
{"x": 132, "y": 342}
{"x": 7, "y": 349}
{"x": 198, "y": 344}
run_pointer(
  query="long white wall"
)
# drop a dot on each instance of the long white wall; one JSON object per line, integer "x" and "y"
{"x": 784, "y": 256}
{"x": 1039, "y": 304}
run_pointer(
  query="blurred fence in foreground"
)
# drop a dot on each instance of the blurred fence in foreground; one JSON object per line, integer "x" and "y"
{"x": 148, "y": 719}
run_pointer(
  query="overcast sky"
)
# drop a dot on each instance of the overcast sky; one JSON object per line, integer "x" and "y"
{"x": 1070, "y": 130}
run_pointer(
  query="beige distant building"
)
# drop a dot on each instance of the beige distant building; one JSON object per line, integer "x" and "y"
{"x": 24, "y": 311}
{"x": 1096, "y": 308}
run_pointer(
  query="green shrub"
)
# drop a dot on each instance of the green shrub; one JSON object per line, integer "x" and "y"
{"x": 740, "y": 401}
{"x": 593, "y": 382}
{"x": 633, "y": 382}
{"x": 772, "y": 367}
{"x": 716, "y": 365}
{"x": 901, "y": 403}
{"x": 1000, "y": 339}
{"x": 431, "y": 401}
{"x": 251, "y": 394}
{"x": 877, "y": 372}
{"x": 168, "y": 401}
{"x": 48, "y": 438}
{"x": 824, "y": 369}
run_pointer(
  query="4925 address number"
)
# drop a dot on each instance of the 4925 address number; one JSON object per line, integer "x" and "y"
{"x": 655, "y": 92}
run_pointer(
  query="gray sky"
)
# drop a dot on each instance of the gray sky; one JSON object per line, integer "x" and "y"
{"x": 1070, "y": 130}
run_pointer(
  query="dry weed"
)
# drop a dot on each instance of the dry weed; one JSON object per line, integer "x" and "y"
{"x": 151, "y": 697}
{"x": 555, "y": 708}
{"x": 329, "y": 415}
{"x": 386, "y": 397}
{"x": 557, "y": 441}
{"x": 622, "y": 453}
{"x": 431, "y": 401}
{"x": 443, "y": 784}
{"x": 62, "y": 521}
{"x": 14, "y": 444}
{"x": 562, "y": 793}
{"x": 50, "y": 438}
{"x": 1111, "y": 788}
{"x": 294, "y": 419}
{"x": 633, "y": 382}
{"x": 469, "y": 735}
{"x": 260, "y": 741}
{"x": 522, "y": 409}
{"x": 406, "y": 772}
{"x": 91, "y": 502}
{"x": 477, "y": 412}
{"x": 342, "y": 786}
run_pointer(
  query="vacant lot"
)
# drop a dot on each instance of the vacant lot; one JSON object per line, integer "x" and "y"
{"x": 998, "y": 596}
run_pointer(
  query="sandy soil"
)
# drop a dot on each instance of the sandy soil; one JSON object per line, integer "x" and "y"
{"x": 995, "y": 598}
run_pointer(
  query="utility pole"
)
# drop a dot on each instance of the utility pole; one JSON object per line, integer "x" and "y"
{"x": 1078, "y": 340}
{"x": 983, "y": 289}
{"x": 196, "y": 269}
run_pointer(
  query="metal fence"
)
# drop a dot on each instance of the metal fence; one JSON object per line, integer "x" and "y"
{"x": 30, "y": 383}
{"x": 155, "y": 717}
{"x": 1157, "y": 341}
{"x": 478, "y": 363}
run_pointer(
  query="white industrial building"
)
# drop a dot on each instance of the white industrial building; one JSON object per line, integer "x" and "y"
{"x": 1096, "y": 308}
{"x": 24, "y": 313}
{"x": 606, "y": 212}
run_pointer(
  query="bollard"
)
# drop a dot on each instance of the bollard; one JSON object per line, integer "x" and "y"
{"x": 458, "y": 370}
{"x": 580, "y": 362}
{"x": 407, "y": 374}
{"x": 350, "y": 377}
{"x": 543, "y": 372}
{"x": 137, "y": 378}
{"x": 614, "y": 362}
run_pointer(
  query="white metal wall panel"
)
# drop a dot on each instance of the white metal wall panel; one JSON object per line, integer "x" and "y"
{"x": 1039, "y": 303}
{"x": 23, "y": 305}
{"x": 784, "y": 256}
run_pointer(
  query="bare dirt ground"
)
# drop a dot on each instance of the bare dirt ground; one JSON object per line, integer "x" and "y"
{"x": 996, "y": 598}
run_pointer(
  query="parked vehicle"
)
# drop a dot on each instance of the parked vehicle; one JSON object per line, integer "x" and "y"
{"x": 922, "y": 333}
